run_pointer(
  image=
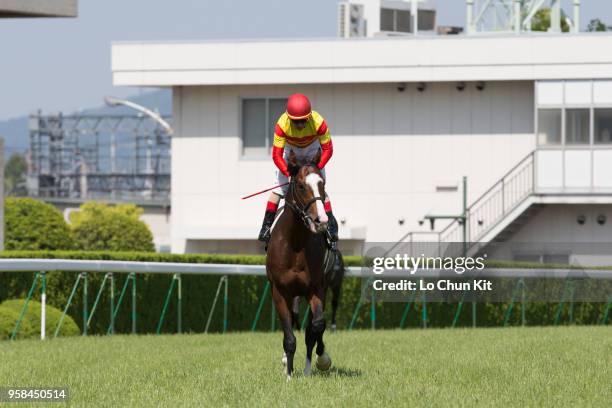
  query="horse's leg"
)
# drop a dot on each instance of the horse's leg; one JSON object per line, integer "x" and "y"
{"x": 289, "y": 344}
{"x": 335, "y": 301}
{"x": 311, "y": 340}
{"x": 295, "y": 312}
{"x": 318, "y": 328}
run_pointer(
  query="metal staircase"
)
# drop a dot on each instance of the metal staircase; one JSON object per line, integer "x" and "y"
{"x": 497, "y": 214}
{"x": 518, "y": 223}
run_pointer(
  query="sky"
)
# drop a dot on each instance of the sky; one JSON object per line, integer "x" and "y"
{"x": 64, "y": 64}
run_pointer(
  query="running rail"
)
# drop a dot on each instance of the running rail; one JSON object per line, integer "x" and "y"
{"x": 82, "y": 267}
{"x": 48, "y": 265}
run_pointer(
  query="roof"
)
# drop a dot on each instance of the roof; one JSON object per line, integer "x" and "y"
{"x": 370, "y": 60}
{"x": 38, "y": 8}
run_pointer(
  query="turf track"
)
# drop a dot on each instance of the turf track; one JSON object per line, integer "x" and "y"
{"x": 562, "y": 366}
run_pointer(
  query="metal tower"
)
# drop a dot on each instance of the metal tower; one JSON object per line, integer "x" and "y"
{"x": 112, "y": 157}
{"x": 515, "y": 15}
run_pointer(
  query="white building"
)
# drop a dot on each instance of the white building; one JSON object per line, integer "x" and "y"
{"x": 526, "y": 118}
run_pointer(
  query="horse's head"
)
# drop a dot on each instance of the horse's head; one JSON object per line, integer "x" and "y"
{"x": 307, "y": 192}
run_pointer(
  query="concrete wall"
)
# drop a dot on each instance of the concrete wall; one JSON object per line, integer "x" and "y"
{"x": 555, "y": 231}
{"x": 392, "y": 150}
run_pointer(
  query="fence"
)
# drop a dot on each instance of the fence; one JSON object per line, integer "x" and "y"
{"x": 83, "y": 267}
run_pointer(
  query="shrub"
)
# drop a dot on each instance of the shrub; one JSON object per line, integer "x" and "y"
{"x": 8, "y": 319}
{"x": 99, "y": 226}
{"x": 34, "y": 225}
{"x": 32, "y": 319}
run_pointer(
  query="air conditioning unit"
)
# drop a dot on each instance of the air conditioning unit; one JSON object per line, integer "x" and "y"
{"x": 351, "y": 22}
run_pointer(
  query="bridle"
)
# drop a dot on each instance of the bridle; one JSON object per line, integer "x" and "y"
{"x": 298, "y": 207}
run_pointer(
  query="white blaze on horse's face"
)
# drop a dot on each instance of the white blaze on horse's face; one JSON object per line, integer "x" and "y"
{"x": 313, "y": 180}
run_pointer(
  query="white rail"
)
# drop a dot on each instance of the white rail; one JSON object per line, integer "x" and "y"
{"x": 48, "y": 265}
{"x": 80, "y": 266}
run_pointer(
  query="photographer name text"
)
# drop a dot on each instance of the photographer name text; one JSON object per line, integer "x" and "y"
{"x": 440, "y": 285}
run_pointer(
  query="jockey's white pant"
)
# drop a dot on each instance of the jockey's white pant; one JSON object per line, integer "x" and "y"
{"x": 304, "y": 155}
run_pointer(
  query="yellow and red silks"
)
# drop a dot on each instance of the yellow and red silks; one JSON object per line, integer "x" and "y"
{"x": 287, "y": 133}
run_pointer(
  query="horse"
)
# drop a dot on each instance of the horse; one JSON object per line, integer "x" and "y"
{"x": 296, "y": 257}
{"x": 335, "y": 276}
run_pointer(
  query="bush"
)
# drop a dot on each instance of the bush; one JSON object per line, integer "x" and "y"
{"x": 99, "y": 226}
{"x": 32, "y": 319}
{"x": 34, "y": 225}
{"x": 8, "y": 319}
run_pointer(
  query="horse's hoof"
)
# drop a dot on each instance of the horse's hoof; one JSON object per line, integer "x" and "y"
{"x": 284, "y": 360}
{"x": 307, "y": 372}
{"x": 324, "y": 362}
{"x": 333, "y": 327}
{"x": 288, "y": 378}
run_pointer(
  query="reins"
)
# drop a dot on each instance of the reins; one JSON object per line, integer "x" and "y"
{"x": 298, "y": 207}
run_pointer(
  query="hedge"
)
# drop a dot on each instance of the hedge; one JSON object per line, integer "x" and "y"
{"x": 244, "y": 293}
{"x": 32, "y": 319}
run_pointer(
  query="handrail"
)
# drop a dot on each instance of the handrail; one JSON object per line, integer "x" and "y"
{"x": 449, "y": 229}
{"x": 530, "y": 155}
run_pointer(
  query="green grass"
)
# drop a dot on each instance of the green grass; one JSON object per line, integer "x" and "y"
{"x": 563, "y": 366}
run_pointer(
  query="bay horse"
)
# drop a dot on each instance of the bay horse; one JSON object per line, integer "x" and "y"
{"x": 296, "y": 257}
{"x": 334, "y": 277}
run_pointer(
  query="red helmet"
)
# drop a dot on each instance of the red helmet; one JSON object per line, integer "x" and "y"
{"x": 298, "y": 107}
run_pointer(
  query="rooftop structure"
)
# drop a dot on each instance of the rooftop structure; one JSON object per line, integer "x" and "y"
{"x": 38, "y": 8}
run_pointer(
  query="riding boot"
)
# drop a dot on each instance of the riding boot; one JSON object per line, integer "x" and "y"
{"x": 264, "y": 234}
{"x": 332, "y": 228}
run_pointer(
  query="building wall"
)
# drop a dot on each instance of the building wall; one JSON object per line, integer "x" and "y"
{"x": 392, "y": 149}
{"x": 554, "y": 232}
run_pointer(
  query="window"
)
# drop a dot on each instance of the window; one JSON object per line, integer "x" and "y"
{"x": 549, "y": 126}
{"x": 577, "y": 126}
{"x": 427, "y": 20}
{"x": 259, "y": 116}
{"x": 394, "y": 20}
{"x": 603, "y": 126}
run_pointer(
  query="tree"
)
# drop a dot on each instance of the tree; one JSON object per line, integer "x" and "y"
{"x": 14, "y": 175}
{"x": 33, "y": 225}
{"x": 541, "y": 21}
{"x": 100, "y": 227}
{"x": 597, "y": 25}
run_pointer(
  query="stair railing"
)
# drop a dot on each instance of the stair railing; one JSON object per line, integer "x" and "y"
{"x": 493, "y": 205}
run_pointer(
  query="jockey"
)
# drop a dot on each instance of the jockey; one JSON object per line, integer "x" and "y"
{"x": 305, "y": 132}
